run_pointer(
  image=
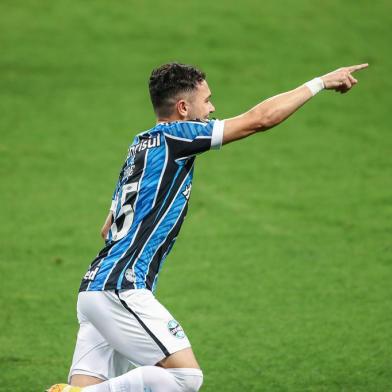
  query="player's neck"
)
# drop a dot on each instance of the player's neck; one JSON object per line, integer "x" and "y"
{"x": 172, "y": 118}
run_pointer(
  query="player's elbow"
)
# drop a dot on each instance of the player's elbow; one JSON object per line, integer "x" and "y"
{"x": 266, "y": 119}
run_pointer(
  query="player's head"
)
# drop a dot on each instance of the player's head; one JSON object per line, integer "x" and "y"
{"x": 180, "y": 92}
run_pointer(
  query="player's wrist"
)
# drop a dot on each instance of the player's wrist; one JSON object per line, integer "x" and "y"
{"x": 315, "y": 85}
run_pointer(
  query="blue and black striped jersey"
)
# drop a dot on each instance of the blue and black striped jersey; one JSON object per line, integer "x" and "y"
{"x": 149, "y": 204}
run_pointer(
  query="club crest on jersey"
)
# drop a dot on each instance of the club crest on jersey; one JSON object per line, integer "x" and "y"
{"x": 144, "y": 144}
{"x": 130, "y": 275}
{"x": 91, "y": 274}
{"x": 175, "y": 329}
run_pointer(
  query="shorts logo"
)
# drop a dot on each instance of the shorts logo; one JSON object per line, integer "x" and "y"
{"x": 175, "y": 329}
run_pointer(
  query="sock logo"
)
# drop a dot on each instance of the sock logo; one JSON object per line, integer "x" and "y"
{"x": 175, "y": 329}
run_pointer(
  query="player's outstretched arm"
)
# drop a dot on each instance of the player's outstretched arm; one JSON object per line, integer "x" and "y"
{"x": 274, "y": 110}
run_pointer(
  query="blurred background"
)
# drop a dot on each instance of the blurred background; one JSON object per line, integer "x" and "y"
{"x": 281, "y": 276}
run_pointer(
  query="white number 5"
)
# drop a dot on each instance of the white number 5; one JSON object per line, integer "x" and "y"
{"x": 125, "y": 215}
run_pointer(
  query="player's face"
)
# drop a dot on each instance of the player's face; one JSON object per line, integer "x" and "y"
{"x": 200, "y": 105}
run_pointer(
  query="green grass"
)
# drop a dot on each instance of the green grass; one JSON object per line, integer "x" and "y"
{"x": 282, "y": 273}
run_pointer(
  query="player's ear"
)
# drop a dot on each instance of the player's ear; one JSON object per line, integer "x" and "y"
{"x": 182, "y": 107}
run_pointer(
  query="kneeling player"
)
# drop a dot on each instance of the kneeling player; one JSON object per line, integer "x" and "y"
{"x": 121, "y": 322}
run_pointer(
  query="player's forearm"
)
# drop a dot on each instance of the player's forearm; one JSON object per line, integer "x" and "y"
{"x": 266, "y": 114}
{"x": 273, "y": 111}
{"x": 276, "y": 109}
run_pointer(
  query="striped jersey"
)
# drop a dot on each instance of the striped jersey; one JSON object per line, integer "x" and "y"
{"x": 149, "y": 204}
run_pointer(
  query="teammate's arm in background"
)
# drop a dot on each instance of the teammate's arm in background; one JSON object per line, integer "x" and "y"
{"x": 106, "y": 226}
{"x": 274, "y": 110}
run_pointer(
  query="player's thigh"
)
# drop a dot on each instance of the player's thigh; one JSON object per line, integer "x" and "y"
{"x": 94, "y": 358}
{"x": 135, "y": 324}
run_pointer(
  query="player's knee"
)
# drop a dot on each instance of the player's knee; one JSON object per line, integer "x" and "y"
{"x": 194, "y": 382}
{"x": 190, "y": 380}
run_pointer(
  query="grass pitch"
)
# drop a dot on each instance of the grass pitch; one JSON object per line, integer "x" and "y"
{"x": 282, "y": 274}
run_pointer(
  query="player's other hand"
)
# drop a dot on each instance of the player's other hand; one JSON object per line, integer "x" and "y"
{"x": 341, "y": 80}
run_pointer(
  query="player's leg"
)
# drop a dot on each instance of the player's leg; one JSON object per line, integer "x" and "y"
{"x": 82, "y": 380}
{"x": 181, "y": 359}
{"x": 154, "y": 379}
{"x": 142, "y": 330}
{"x": 135, "y": 325}
{"x": 179, "y": 373}
{"x": 144, "y": 379}
{"x": 94, "y": 360}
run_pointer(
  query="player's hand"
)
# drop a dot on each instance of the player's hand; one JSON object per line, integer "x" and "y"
{"x": 341, "y": 80}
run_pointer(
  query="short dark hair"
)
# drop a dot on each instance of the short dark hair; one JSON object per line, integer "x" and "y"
{"x": 167, "y": 81}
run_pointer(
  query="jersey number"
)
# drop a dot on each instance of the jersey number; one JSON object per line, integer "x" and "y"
{"x": 124, "y": 219}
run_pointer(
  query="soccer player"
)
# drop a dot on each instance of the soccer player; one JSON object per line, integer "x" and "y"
{"x": 121, "y": 321}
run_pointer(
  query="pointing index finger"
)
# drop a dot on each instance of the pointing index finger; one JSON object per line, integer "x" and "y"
{"x": 358, "y": 67}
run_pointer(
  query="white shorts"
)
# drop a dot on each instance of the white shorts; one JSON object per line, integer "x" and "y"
{"x": 121, "y": 329}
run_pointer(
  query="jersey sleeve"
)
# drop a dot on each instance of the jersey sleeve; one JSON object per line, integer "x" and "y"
{"x": 188, "y": 138}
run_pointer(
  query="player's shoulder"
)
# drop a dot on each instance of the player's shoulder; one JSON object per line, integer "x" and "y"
{"x": 162, "y": 126}
{"x": 179, "y": 130}
{"x": 188, "y": 129}
{"x": 195, "y": 122}
{"x": 146, "y": 134}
